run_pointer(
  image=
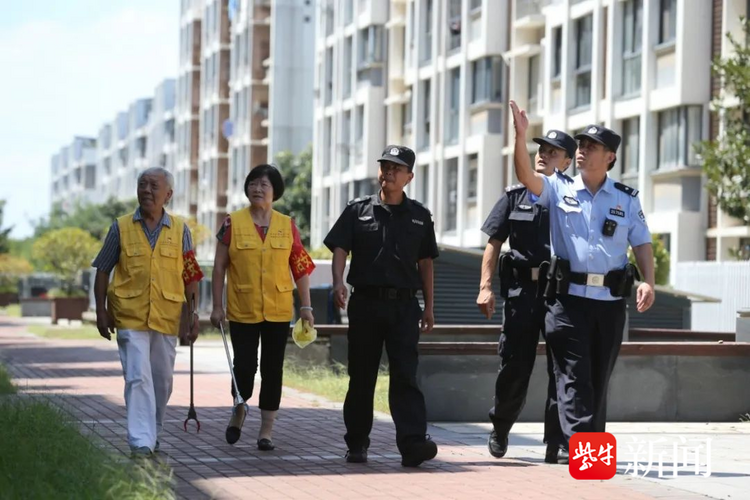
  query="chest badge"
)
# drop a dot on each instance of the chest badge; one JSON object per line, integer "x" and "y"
{"x": 365, "y": 218}
{"x": 526, "y": 208}
{"x": 617, "y": 211}
{"x": 417, "y": 221}
{"x": 571, "y": 201}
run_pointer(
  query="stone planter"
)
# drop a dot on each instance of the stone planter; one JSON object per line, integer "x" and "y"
{"x": 69, "y": 308}
{"x": 7, "y": 298}
{"x": 36, "y": 307}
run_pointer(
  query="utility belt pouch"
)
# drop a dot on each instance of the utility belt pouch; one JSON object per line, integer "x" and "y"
{"x": 541, "y": 284}
{"x": 506, "y": 274}
{"x": 562, "y": 276}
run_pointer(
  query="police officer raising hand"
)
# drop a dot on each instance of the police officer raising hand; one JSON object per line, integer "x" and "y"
{"x": 593, "y": 220}
{"x": 392, "y": 242}
{"x": 518, "y": 218}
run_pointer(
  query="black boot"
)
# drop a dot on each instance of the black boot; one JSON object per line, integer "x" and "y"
{"x": 498, "y": 445}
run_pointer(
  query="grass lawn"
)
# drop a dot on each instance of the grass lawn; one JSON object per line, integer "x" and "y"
{"x": 11, "y": 310}
{"x": 6, "y": 387}
{"x": 82, "y": 332}
{"x": 43, "y": 455}
{"x": 331, "y": 384}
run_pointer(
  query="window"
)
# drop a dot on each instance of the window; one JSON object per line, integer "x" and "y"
{"x": 679, "y": 129}
{"x": 329, "y": 76}
{"x": 406, "y": 119}
{"x": 427, "y": 41}
{"x": 346, "y": 125}
{"x": 743, "y": 251}
{"x": 583, "y": 61}
{"x": 347, "y": 73}
{"x": 327, "y": 146}
{"x": 451, "y": 131}
{"x": 426, "y": 99}
{"x": 667, "y": 21}
{"x": 475, "y": 4}
{"x": 370, "y": 45}
{"x": 557, "y": 52}
{"x": 631, "y": 51}
{"x": 454, "y": 25}
{"x": 359, "y": 126}
{"x": 348, "y": 11}
{"x": 486, "y": 80}
{"x": 533, "y": 81}
{"x": 630, "y": 147}
{"x": 471, "y": 187}
{"x": 451, "y": 183}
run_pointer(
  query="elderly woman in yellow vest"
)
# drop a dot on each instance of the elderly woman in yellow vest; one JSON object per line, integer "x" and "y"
{"x": 155, "y": 270}
{"x": 262, "y": 252}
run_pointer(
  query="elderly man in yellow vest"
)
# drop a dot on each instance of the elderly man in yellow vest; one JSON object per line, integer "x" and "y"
{"x": 155, "y": 270}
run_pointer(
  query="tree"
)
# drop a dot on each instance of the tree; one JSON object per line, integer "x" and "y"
{"x": 4, "y": 233}
{"x": 94, "y": 218}
{"x": 198, "y": 231}
{"x": 65, "y": 252}
{"x": 661, "y": 260}
{"x": 12, "y": 268}
{"x": 726, "y": 160}
{"x": 297, "y": 199}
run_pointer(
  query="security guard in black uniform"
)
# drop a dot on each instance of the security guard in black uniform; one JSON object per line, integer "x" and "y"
{"x": 593, "y": 220}
{"x": 516, "y": 215}
{"x": 392, "y": 242}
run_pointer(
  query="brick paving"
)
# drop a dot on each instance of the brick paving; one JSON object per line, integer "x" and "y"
{"x": 85, "y": 377}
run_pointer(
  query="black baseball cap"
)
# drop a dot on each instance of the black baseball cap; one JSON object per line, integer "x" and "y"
{"x": 559, "y": 139}
{"x": 602, "y": 135}
{"x": 400, "y": 155}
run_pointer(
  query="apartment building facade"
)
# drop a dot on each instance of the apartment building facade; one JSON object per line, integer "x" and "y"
{"x": 161, "y": 146}
{"x": 271, "y": 85}
{"x": 427, "y": 74}
{"x": 187, "y": 108}
{"x": 74, "y": 173}
{"x": 641, "y": 67}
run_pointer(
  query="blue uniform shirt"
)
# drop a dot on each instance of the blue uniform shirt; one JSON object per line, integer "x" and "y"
{"x": 577, "y": 222}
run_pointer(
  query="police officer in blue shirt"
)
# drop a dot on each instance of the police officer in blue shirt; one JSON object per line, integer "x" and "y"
{"x": 517, "y": 217}
{"x": 593, "y": 219}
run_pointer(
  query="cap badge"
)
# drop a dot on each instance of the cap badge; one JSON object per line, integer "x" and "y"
{"x": 552, "y": 135}
{"x": 592, "y": 130}
{"x": 393, "y": 152}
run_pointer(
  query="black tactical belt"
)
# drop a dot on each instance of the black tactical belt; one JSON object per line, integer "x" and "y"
{"x": 612, "y": 278}
{"x": 526, "y": 273}
{"x": 374, "y": 292}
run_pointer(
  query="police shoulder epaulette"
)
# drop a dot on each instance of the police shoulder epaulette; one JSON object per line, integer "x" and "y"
{"x": 515, "y": 187}
{"x": 626, "y": 189}
{"x": 564, "y": 176}
{"x": 358, "y": 200}
{"x": 420, "y": 205}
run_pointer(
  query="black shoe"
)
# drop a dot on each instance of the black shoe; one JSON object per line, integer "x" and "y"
{"x": 497, "y": 445}
{"x": 357, "y": 456}
{"x": 265, "y": 445}
{"x": 556, "y": 455}
{"x": 416, "y": 453}
{"x": 234, "y": 429}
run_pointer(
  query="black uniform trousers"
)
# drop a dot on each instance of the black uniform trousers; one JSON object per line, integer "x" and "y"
{"x": 373, "y": 322}
{"x": 585, "y": 337}
{"x": 524, "y": 321}
{"x": 273, "y": 337}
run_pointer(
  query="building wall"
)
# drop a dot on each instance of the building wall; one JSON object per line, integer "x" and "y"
{"x": 187, "y": 108}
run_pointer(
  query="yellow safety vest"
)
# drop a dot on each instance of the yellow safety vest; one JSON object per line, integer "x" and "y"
{"x": 259, "y": 281}
{"x": 147, "y": 291}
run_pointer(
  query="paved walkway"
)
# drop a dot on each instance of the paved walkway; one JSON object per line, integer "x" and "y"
{"x": 308, "y": 461}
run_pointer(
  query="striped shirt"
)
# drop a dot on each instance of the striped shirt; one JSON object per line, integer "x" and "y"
{"x": 110, "y": 252}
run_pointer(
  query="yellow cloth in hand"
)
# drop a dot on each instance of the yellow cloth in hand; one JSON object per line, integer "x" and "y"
{"x": 303, "y": 333}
